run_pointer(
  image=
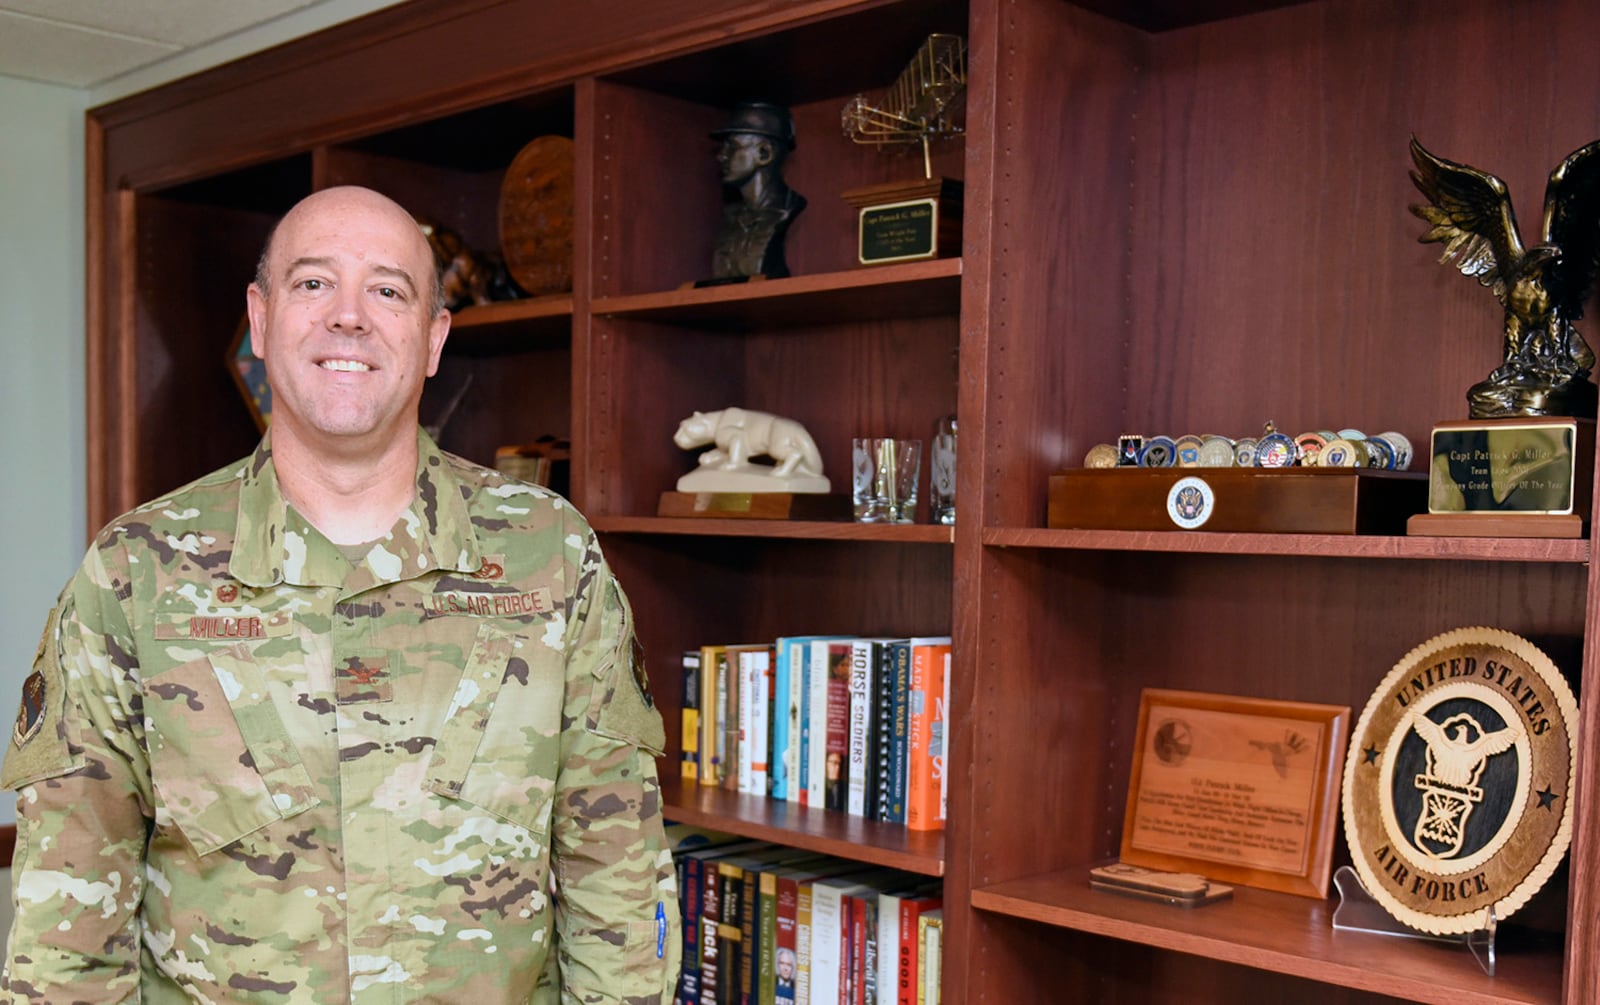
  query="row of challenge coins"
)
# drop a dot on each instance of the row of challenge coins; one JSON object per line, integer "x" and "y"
{"x": 1348, "y": 448}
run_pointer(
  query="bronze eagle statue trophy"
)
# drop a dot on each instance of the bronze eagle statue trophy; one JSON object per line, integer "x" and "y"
{"x": 1542, "y": 288}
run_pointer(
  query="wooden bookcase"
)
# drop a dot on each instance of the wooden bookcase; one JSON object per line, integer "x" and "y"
{"x": 1179, "y": 216}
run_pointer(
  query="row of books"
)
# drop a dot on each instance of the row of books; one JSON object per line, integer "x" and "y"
{"x": 765, "y": 924}
{"x": 842, "y": 722}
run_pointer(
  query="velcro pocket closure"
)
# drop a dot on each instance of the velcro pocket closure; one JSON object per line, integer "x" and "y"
{"x": 220, "y": 758}
{"x": 621, "y": 706}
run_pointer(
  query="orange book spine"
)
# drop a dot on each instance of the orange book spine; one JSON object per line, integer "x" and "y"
{"x": 924, "y": 811}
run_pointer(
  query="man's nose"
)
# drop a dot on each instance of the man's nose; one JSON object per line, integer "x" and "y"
{"x": 349, "y": 311}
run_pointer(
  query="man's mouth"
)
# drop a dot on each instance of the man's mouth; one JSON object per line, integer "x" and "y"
{"x": 344, "y": 365}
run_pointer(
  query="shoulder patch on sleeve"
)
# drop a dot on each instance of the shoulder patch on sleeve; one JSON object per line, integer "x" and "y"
{"x": 625, "y": 709}
{"x": 37, "y": 747}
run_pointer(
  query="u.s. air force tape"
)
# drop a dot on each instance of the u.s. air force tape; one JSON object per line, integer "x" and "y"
{"x": 1458, "y": 782}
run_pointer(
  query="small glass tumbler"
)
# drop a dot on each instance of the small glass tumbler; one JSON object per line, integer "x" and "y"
{"x": 884, "y": 474}
{"x": 942, "y": 472}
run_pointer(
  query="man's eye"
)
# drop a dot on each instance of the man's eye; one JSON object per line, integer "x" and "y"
{"x": 388, "y": 292}
{"x": 311, "y": 284}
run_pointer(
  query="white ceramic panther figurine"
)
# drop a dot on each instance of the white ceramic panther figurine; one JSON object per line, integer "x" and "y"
{"x": 736, "y": 435}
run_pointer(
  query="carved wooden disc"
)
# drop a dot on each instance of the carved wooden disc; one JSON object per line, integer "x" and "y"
{"x": 536, "y": 216}
{"x": 1458, "y": 782}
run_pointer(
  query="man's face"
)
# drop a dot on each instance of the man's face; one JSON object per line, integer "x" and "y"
{"x": 344, "y": 326}
{"x": 742, "y": 155}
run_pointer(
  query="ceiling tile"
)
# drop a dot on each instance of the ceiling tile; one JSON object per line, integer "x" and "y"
{"x": 183, "y": 22}
{"x": 42, "y": 50}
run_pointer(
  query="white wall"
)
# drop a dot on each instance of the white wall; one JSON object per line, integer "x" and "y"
{"x": 42, "y": 290}
{"x": 42, "y": 508}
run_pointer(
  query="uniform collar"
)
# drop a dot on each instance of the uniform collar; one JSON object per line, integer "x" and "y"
{"x": 273, "y": 544}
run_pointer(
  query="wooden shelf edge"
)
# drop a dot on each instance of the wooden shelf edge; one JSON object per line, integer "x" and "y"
{"x": 916, "y": 533}
{"x": 510, "y": 326}
{"x": 1284, "y": 934}
{"x": 1313, "y": 545}
{"x": 826, "y": 831}
{"x": 511, "y": 311}
{"x": 714, "y": 300}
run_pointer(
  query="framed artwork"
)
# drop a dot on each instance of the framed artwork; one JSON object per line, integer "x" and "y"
{"x": 250, "y": 374}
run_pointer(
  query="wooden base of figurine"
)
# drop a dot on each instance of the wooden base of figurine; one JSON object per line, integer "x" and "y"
{"x": 756, "y": 505}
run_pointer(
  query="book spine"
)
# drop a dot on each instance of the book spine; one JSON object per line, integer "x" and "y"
{"x": 786, "y": 941}
{"x": 865, "y": 926}
{"x": 803, "y": 901}
{"x": 927, "y": 733}
{"x": 710, "y": 936}
{"x": 766, "y": 991}
{"x": 760, "y": 720}
{"x": 886, "y": 988}
{"x": 814, "y": 725}
{"x": 710, "y": 725}
{"x": 691, "y": 875}
{"x": 836, "y": 775}
{"x": 907, "y": 982}
{"x": 899, "y": 734}
{"x": 930, "y": 927}
{"x": 778, "y": 767}
{"x": 746, "y": 686}
{"x": 825, "y": 937}
{"x": 731, "y": 932}
{"x": 881, "y": 791}
{"x": 750, "y": 936}
{"x": 689, "y": 766}
{"x": 942, "y": 724}
{"x": 862, "y": 697}
{"x": 728, "y": 712}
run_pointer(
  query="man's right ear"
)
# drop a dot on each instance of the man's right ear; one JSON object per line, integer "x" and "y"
{"x": 255, "y": 306}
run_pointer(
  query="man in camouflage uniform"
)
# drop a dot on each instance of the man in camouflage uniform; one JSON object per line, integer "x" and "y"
{"x": 352, "y": 720}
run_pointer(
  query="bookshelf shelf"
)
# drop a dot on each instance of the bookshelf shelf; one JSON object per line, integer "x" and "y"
{"x": 1285, "y": 934}
{"x": 826, "y": 831}
{"x": 510, "y": 326}
{"x": 905, "y": 290}
{"x": 1310, "y": 545}
{"x": 818, "y": 529}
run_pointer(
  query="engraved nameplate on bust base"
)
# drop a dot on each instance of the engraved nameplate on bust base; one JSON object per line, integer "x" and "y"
{"x": 907, "y": 221}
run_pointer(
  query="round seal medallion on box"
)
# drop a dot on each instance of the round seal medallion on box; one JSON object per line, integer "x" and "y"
{"x": 1458, "y": 782}
{"x": 1190, "y": 502}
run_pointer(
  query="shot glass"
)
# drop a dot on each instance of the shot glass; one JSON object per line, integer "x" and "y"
{"x": 884, "y": 479}
{"x": 942, "y": 472}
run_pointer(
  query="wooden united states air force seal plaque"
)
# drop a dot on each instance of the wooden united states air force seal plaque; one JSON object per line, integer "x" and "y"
{"x": 1458, "y": 783}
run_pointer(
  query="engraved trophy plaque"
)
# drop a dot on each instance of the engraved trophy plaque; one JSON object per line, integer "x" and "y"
{"x": 916, "y": 218}
{"x": 1521, "y": 464}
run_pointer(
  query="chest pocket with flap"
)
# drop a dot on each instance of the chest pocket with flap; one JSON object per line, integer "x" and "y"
{"x": 500, "y": 746}
{"x": 222, "y": 762}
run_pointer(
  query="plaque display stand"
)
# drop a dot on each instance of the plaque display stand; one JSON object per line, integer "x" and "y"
{"x": 1359, "y": 912}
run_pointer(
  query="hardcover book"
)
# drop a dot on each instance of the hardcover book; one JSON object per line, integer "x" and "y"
{"x": 925, "y": 775}
{"x": 790, "y": 657}
{"x": 713, "y": 703}
{"x": 689, "y": 767}
{"x": 836, "y": 771}
{"x": 815, "y": 720}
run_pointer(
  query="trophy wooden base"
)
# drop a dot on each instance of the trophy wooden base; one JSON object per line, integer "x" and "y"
{"x": 905, "y": 221}
{"x": 1237, "y": 500}
{"x": 1518, "y": 477}
{"x": 1543, "y": 525}
{"x": 756, "y": 505}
